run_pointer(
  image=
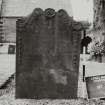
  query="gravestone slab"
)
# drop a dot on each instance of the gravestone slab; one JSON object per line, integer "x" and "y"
{"x": 48, "y": 49}
{"x": 96, "y": 86}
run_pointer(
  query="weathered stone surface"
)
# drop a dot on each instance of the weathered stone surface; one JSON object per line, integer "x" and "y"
{"x": 48, "y": 48}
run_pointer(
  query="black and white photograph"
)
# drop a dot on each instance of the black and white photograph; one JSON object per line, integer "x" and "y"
{"x": 52, "y": 52}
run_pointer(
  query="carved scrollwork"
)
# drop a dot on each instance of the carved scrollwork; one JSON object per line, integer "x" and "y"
{"x": 62, "y": 12}
{"x": 49, "y": 13}
{"x": 37, "y": 12}
{"x": 77, "y": 26}
{"x": 64, "y": 16}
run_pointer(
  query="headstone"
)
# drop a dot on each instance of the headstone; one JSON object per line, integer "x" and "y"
{"x": 48, "y": 50}
{"x": 96, "y": 86}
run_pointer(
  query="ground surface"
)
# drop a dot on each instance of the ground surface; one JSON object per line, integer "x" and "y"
{"x": 7, "y": 67}
{"x": 8, "y": 98}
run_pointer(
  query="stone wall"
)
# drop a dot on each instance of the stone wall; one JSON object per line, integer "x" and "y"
{"x": 9, "y": 29}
